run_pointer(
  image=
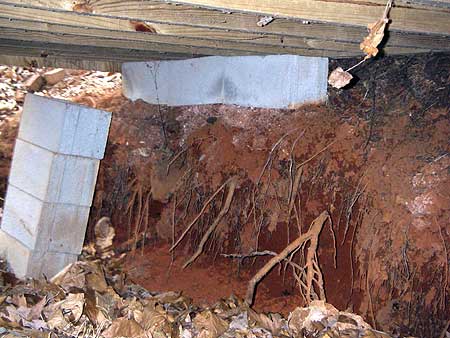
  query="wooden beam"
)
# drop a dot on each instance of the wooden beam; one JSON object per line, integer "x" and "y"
{"x": 189, "y": 21}
{"x": 222, "y": 44}
{"x": 64, "y": 51}
{"x": 113, "y": 31}
{"x": 35, "y": 61}
{"x": 31, "y": 31}
{"x": 404, "y": 18}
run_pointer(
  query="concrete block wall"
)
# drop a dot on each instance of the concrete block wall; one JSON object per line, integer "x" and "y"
{"x": 51, "y": 185}
{"x": 274, "y": 81}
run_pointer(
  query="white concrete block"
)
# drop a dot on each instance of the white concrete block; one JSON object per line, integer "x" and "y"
{"x": 68, "y": 227}
{"x": 21, "y": 217}
{"x": 25, "y": 262}
{"x": 64, "y": 127}
{"x": 16, "y": 254}
{"x": 44, "y": 226}
{"x": 53, "y": 177}
{"x": 48, "y": 264}
{"x": 275, "y": 81}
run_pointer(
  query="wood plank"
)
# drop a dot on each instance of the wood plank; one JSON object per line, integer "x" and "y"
{"x": 34, "y": 61}
{"x": 425, "y": 20}
{"x": 171, "y": 34}
{"x": 45, "y": 32}
{"x": 58, "y": 50}
{"x": 30, "y": 31}
{"x": 189, "y": 21}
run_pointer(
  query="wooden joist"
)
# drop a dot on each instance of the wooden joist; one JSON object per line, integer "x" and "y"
{"x": 405, "y": 17}
{"x": 58, "y": 62}
{"x": 185, "y": 30}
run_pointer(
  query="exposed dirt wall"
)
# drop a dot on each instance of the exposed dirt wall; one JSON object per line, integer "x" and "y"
{"x": 376, "y": 158}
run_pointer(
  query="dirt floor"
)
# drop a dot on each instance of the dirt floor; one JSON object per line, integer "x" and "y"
{"x": 375, "y": 157}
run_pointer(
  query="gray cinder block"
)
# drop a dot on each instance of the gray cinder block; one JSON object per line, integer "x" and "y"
{"x": 53, "y": 177}
{"x": 25, "y": 262}
{"x": 275, "y": 81}
{"x": 44, "y": 226}
{"x": 64, "y": 127}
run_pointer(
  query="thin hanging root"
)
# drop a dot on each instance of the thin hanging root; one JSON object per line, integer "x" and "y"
{"x": 312, "y": 235}
{"x": 232, "y": 186}
{"x": 200, "y": 214}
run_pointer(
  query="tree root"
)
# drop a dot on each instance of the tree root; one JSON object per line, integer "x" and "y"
{"x": 200, "y": 214}
{"x": 232, "y": 186}
{"x": 311, "y": 265}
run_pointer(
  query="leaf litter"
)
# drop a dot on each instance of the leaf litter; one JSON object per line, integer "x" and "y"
{"x": 94, "y": 298}
{"x": 339, "y": 77}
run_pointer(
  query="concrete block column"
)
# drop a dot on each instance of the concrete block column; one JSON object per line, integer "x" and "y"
{"x": 51, "y": 185}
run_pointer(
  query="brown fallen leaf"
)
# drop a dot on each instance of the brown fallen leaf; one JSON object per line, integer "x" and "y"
{"x": 66, "y": 311}
{"x": 376, "y": 34}
{"x": 339, "y": 78}
{"x": 122, "y": 327}
{"x": 36, "y": 310}
{"x": 92, "y": 309}
{"x": 104, "y": 235}
{"x": 209, "y": 324}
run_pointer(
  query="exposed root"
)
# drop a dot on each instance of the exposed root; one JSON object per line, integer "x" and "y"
{"x": 205, "y": 206}
{"x": 138, "y": 208}
{"x": 232, "y": 182}
{"x": 311, "y": 266}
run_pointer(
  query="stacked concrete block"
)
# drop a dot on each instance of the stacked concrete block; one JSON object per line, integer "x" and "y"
{"x": 51, "y": 185}
{"x": 274, "y": 81}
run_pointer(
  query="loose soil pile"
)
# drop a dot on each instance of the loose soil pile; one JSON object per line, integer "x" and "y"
{"x": 237, "y": 185}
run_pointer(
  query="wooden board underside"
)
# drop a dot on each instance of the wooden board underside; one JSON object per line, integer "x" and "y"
{"x": 191, "y": 31}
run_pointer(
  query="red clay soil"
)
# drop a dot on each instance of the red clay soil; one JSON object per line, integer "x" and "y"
{"x": 378, "y": 160}
{"x": 390, "y": 240}
{"x": 205, "y": 283}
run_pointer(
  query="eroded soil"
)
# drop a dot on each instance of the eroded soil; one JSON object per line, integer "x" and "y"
{"x": 377, "y": 159}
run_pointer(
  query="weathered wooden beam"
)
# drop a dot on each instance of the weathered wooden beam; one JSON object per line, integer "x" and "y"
{"x": 404, "y": 18}
{"x": 30, "y": 31}
{"x": 189, "y": 21}
{"x": 166, "y": 33}
{"x": 111, "y": 32}
{"x": 35, "y": 61}
{"x": 170, "y": 43}
{"x": 59, "y": 50}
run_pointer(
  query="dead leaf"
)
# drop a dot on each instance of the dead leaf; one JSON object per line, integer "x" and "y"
{"x": 66, "y": 311}
{"x": 274, "y": 322}
{"x": 339, "y": 78}
{"x": 209, "y": 324}
{"x": 71, "y": 276}
{"x": 376, "y": 35}
{"x": 92, "y": 309}
{"x": 36, "y": 310}
{"x": 95, "y": 278}
{"x": 104, "y": 235}
{"x": 122, "y": 327}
